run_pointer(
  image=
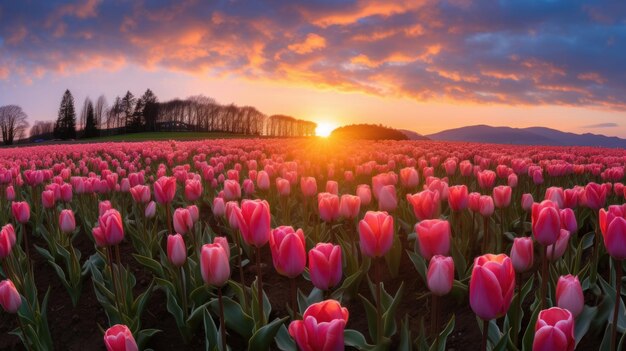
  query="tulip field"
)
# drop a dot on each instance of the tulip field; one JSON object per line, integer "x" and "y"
{"x": 311, "y": 244}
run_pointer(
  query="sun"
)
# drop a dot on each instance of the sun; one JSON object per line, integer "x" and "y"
{"x": 324, "y": 129}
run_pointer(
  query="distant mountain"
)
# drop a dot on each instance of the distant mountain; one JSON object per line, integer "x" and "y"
{"x": 413, "y": 135}
{"x": 367, "y": 131}
{"x": 526, "y": 136}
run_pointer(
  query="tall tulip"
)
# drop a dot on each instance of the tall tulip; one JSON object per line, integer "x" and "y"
{"x": 67, "y": 222}
{"x": 433, "y": 236}
{"x": 376, "y": 233}
{"x": 183, "y": 222}
{"x": 288, "y": 251}
{"x": 328, "y": 206}
{"x": 554, "y": 330}
{"x": 522, "y": 254}
{"x": 458, "y": 197}
{"x": 215, "y": 270}
{"x": 569, "y": 294}
{"x": 321, "y": 327}
{"x": 176, "y": 250}
{"x": 349, "y": 206}
{"x": 387, "y": 198}
{"x": 425, "y": 204}
{"x": 308, "y": 186}
{"x": 439, "y": 280}
{"x": 325, "y": 265}
{"x": 364, "y": 192}
{"x": 165, "y": 190}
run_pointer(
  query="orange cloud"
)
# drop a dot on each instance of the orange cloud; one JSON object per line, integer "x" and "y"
{"x": 311, "y": 43}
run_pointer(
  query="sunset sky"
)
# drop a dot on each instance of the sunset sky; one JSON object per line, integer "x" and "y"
{"x": 419, "y": 65}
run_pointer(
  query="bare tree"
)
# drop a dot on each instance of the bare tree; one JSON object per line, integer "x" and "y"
{"x": 100, "y": 110}
{"x": 13, "y": 123}
{"x": 42, "y": 128}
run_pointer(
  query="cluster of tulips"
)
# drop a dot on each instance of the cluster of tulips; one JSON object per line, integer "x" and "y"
{"x": 199, "y": 217}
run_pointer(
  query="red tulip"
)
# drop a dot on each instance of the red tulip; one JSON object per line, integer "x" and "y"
{"x": 176, "y": 250}
{"x": 593, "y": 196}
{"x": 554, "y": 330}
{"x": 387, "y": 198}
{"x": 288, "y": 251}
{"x": 512, "y": 180}
{"x": 21, "y": 211}
{"x": 328, "y": 205}
{"x": 119, "y": 338}
{"x": 522, "y": 254}
{"x": 193, "y": 189}
{"x": 182, "y": 221}
{"x": 560, "y": 246}
{"x": 253, "y": 219}
{"x": 474, "y": 201}
{"x": 140, "y": 194}
{"x": 321, "y": 327}
{"x": 613, "y": 228}
{"x": 7, "y": 240}
{"x": 349, "y": 206}
{"x": 502, "y": 196}
{"x": 165, "y": 190}
{"x": 433, "y": 236}
{"x": 568, "y": 220}
{"x": 364, "y": 192}
{"x": 376, "y": 233}
{"x": 112, "y": 230}
{"x": 308, "y": 186}
{"x": 458, "y": 197}
{"x": 214, "y": 265}
{"x": 570, "y": 198}
{"x": 546, "y": 222}
{"x": 492, "y": 286}
{"x": 425, "y": 204}
{"x": 67, "y": 222}
{"x": 440, "y": 275}
{"x": 10, "y": 299}
{"x": 325, "y": 265}
{"x": 569, "y": 294}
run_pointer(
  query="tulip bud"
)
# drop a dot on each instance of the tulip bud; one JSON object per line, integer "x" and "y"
{"x": 502, "y": 196}
{"x": 214, "y": 265}
{"x": 387, "y": 198}
{"x": 112, "y": 230}
{"x": 321, "y": 327}
{"x": 193, "y": 189}
{"x": 325, "y": 265}
{"x": 232, "y": 190}
{"x": 21, "y": 211}
{"x": 288, "y": 251}
{"x": 554, "y": 330}
{"x": 491, "y": 286}
{"x": 522, "y": 254}
{"x": 546, "y": 222}
{"x": 349, "y": 206}
{"x": 182, "y": 221}
{"x": 569, "y": 294}
{"x": 458, "y": 197}
{"x": 527, "y": 202}
{"x": 364, "y": 192}
{"x": 164, "y": 189}
{"x": 119, "y": 338}
{"x": 219, "y": 208}
{"x": 433, "y": 236}
{"x": 194, "y": 212}
{"x": 150, "y": 210}
{"x": 425, "y": 204}
{"x": 67, "y": 223}
{"x": 486, "y": 206}
{"x": 376, "y": 233}
{"x": 440, "y": 275}
{"x": 176, "y": 250}
{"x": 7, "y": 240}
{"x": 308, "y": 186}
{"x": 254, "y": 222}
{"x": 328, "y": 206}
{"x": 10, "y": 299}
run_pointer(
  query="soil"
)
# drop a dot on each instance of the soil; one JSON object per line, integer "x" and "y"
{"x": 79, "y": 328}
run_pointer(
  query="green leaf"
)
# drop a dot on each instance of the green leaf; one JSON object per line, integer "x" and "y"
{"x": 419, "y": 263}
{"x": 529, "y": 334}
{"x": 284, "y": 340}
{"x": 154, "y": 266}
{"x": 440, "y": 342}
{"x": 353, "y": 338}
{"x": 210, "y": 332}
{"x": 262, "y": 339}
{"x": 583, "y": 321}
{"x": 236, "y": 319}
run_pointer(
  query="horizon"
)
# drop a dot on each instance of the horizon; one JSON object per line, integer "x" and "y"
{"x": 551, "y": 64}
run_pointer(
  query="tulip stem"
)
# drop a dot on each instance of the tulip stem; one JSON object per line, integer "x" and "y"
{"x": 259, "y": 285}
{"x": 222, "y": 320}
{"x": 434, "y": 315}
{"x": 544, "y": 275}
{"x": 379, "y": 312}
{"x": 294, "y": 298}
{"x": 183, "y": 290}
{"x": 501, "y": 229}
{"x": 485, "y": 333}
{"x": 485, "y": 234}
{"x": 26, "y": 343}
{"x": 25, "y": 239}
{"x": 168, "y": 214}
{"x": 618, "y": 299}
{"x": 109, "y": 252}
{"x": 518, "y": 307}
{"x": 239, "y": 263}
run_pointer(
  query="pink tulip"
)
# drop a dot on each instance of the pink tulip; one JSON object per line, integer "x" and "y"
{"x": 409, "y": 178}
{"x": 150, "y": 210}
{"x": 219, "y": 208}
{"x": 328, "y": 205}
{"x": 546, "y": 222}
{"x": 165, "y": 189}
{"x": 194, "y": 211}
{"x": 491, "y": 286}
{"x": 364, "y": 192}
{"x": 223, "y": 242}
{"x": 193, "y": 189}
{"x": 232, "y": 190}
{"x": 522, "y": 254}
{"x": 140, "y": 193}
{"x": 474, "y": 202}
{"x": 387, "y": 198}
{"x": 349, "y": 206}
{"x": 487, "y": 206}
{"x": 570, "y": 198}
{"x": 425, "y": 204}
{"x": 214, "y": 265}
{"x": 283, "y": 186}
{"x": 593, "y": 196}
{"x": 332, "y": 187}
{"x": 321, "y": 327}
{"x": 67, "y": 222}
{"x": 512, "y": 180}
{"x": 554, "y": 330}
{"x": 66, "y": 192}
{"x": 253, "y": 219}
{"x": 112, "y": 229}
{"x": 433, "y": 236}
{"x": 486, "y": 179}
{"x": 104, "y": 206}
{"x": 176, "y": 250}
{"x": 527, "y": 202}
{"x": 21, "y": 211}
{"x": 10, "y": 299}
{"x": 568, "y": 220}
{"x": 7, "y": 240}
{"x": 288, "y": 251}
{"x": 376, "y": 233}
{"x": 308, "y": 186}
{"x": 502, "y": 196}
{"x": 182, "y": 221}
{"x": 559, "y": 247}
{"x": 10, "y": 193}
{"x": 613, "y": 228}
{"x": 569, "y": 294}
{"x": 262, "y": 181}
{"x": 440, "y": 275}
{"x": 325, "y": 265}
{"x": 458, "y": 197}
{"x": 556, "y": 195}
{"x": 119, "y": 338}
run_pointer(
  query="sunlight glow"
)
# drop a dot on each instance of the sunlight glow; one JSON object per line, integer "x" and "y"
{"x": 324, "y": 129}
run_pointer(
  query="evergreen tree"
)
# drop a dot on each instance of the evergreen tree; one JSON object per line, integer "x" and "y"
{"x": 150, "y": 110}
{"x": 128, "y": 107}
{"x": 91, "y": 128}
{"x": 65, "y": 126}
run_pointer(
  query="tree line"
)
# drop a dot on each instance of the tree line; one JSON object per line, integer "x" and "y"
{"x": 129, "y": 114}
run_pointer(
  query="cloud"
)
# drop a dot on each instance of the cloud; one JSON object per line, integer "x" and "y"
{"x": 515, "y": 53}
{"x": 602, "y": 125}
